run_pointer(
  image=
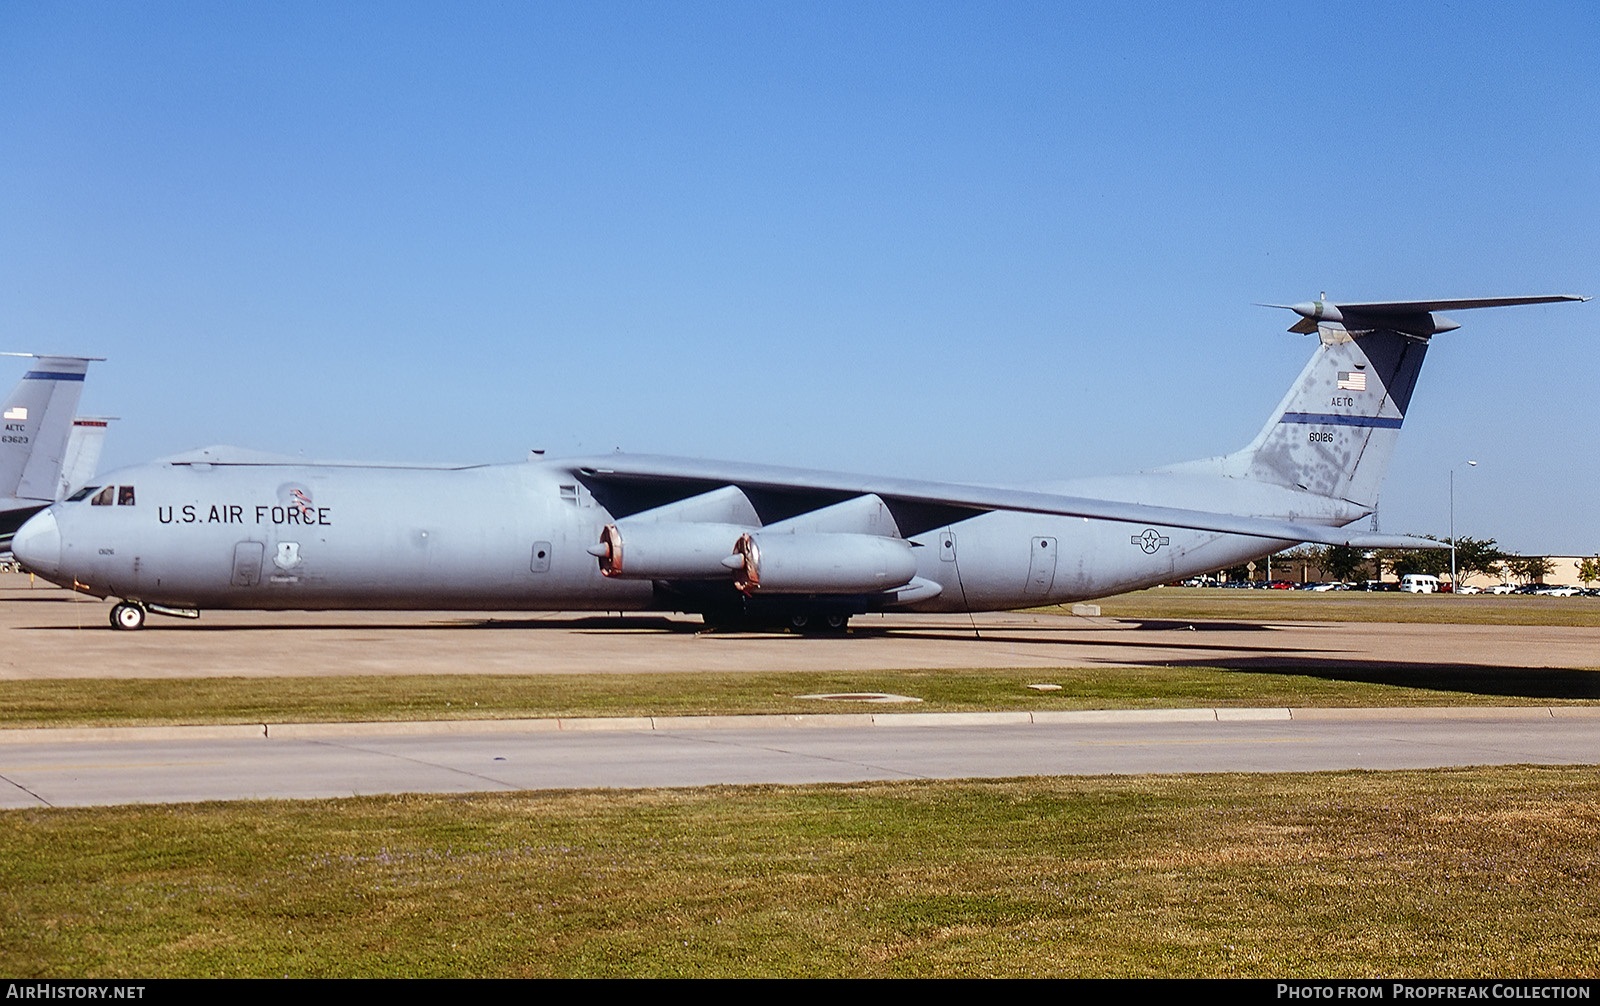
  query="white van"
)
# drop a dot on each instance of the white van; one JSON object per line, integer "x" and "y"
{"x": 1419, "y": 583}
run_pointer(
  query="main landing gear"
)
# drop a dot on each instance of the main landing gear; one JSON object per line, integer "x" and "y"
{"x": 127, "y": 616}
{"x": 805, "y": 623}
{"x": 814, "y": 623}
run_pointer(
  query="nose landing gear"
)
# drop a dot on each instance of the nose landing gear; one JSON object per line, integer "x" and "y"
{"x": 127, "y": 616}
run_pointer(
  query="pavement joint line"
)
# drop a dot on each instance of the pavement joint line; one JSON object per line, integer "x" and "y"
{"x": 302, "y": 731}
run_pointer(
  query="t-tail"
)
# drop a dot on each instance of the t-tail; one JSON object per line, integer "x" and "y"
{"x": 1335, "y": 431}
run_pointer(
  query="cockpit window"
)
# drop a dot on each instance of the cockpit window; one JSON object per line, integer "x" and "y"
{"x": 104, "y": 497}
{"x": 125, "y": 496}
{"x": 81, "y": 494}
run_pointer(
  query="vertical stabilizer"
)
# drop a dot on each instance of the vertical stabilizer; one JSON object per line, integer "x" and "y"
{"x": 37, "y": 424}
{"x": 1335, "y": 431}
{"x": 83, "y": 453}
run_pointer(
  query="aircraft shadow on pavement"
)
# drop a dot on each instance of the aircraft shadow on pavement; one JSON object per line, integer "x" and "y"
{"x": 1471, "y": 679}
{"x": 1474, "y": 679}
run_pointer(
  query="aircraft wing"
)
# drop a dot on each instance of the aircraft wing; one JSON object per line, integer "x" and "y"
{"x": 627, "y": 484}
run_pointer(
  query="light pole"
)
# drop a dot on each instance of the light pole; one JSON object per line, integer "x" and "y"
{"x": 1454, "y": 584}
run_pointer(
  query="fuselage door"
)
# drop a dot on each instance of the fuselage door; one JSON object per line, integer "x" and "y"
{"x": 1041, "y": 566}
{"x": 247, "y": 563}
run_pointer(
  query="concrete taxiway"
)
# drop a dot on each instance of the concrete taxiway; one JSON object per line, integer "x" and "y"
{"x": 52, "y": 633}
{"x": 333, "y": 760}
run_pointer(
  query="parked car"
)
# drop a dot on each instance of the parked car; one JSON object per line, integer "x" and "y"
{"x": 1467, "y": 588}
{"x": 1557, "y": 590}
{"x": 1419, "y": 583}
{"x": 1502, "y": 588}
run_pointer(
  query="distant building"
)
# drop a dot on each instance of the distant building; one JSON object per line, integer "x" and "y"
{"x": 1302, "y": 568}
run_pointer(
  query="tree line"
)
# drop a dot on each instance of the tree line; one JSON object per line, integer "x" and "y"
{"x": 1473, "y": 555}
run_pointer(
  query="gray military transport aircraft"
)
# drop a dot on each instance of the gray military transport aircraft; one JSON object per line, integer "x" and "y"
{"x": 742, "y": 543}
{"x": 42, "y": 446}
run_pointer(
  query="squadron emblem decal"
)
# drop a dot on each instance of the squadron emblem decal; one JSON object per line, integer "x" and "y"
{"x": 1150, "y": 540}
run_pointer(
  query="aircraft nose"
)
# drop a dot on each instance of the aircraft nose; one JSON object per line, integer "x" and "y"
{"x": 37, "y": 544}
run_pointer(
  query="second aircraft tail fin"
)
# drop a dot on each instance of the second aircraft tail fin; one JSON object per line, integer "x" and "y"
{"x": 36, "y": 424}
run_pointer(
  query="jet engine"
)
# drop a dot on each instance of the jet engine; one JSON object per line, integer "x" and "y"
{"x": 687, "y": 551}
{"x": 820, "y": 563}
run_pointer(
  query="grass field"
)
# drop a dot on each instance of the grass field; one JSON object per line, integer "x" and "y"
{"x": 1437, "y": 874}
{"x": 127, "y": 702}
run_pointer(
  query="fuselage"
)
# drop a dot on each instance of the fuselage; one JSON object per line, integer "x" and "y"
{"x": 520, "y": 537}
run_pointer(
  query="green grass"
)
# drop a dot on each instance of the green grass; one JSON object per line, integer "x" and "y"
{"x": 123, "y": 702}
{"x": 1437, "y": 874}
{"x": 1348, "y": 606}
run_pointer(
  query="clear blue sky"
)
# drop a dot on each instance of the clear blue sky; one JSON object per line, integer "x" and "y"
{"x": 975, "y": 242}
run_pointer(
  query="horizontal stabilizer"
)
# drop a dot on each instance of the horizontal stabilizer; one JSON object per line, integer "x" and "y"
{"x": 1464, "y": 304}
{"x": 1414, "y": 317}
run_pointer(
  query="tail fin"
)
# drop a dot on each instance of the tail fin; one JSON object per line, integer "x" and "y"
{"x": 83, "y": 453}
{"x": 1335, "y": 431}
{"x": 37, "y": 424}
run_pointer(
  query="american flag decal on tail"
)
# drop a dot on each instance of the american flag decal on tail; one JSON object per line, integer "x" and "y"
{"x": 1352, "y": 380}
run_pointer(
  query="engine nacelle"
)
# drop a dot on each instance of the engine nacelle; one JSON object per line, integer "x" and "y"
{"x": 687, "y": 551}
{"x": 821, "y": 563}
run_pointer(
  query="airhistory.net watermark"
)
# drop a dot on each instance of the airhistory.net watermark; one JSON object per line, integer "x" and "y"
{"x": 72, "y": 990}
